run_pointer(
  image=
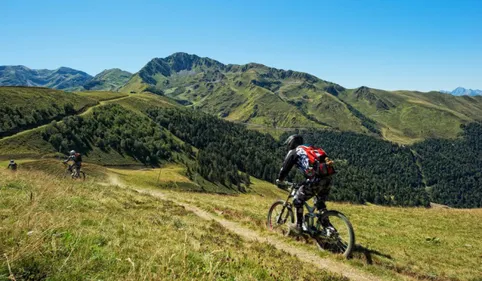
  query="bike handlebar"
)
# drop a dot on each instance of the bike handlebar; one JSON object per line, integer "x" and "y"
{"x": 286, "y": 184}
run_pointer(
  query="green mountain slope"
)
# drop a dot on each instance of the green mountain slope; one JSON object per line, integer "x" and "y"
{"x": 273, "y": 98}
{"x": 63, "y": 78}
{"x": 250, "y": 93}
{"x": 407, "y": 117}
{"x": 108, "y": 80}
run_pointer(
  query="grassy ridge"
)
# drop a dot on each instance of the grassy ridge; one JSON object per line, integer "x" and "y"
{"x": 171, "y": 177}
{"x": 61, "y": 230}
{"x": 141, "y": 102}
{"x": 101, "y": 95}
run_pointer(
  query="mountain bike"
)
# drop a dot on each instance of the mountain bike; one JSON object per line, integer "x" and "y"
{"x": 330, "y": 229}
{"x": 72, "y": 172}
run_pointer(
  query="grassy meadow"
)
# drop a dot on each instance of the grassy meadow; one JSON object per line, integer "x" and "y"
{"x": 55, "y": 229}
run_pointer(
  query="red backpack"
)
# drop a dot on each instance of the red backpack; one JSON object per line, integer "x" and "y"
{"x": 317, "y": 161}
{"x": 77, "y": 157}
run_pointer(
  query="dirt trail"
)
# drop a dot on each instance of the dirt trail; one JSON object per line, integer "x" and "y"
{"x": 248, "y": 234}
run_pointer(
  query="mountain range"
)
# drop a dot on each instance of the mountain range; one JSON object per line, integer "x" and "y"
{"x": 63, "y": 78}
{"x": 269, "y": 98}
{"x": 273, "y": 100}
{"x": 460, "y": 91}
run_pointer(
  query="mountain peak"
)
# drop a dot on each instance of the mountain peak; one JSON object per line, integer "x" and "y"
{"x": 108, "y": 80}
{"x": 182, "y": 55}
{"x": 68, "y": 70}
{"x": 112, "y": 70}
{"x": 461, "y": 91}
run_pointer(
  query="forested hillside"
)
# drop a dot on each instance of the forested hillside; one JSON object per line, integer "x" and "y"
{"x": 112, "y": 127}
{"x": 22, "y": 108}
{"x": 453, "y": 168}
{"x": 225, "y": 148}
{"x": 370, "y": 170}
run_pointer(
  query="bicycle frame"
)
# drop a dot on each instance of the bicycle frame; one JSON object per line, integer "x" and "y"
{"x": 309, "y": 216}
{"x": 73, "y": 171}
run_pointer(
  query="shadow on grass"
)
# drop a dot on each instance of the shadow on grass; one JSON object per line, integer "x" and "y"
{"x": 361, "y": 252}
{"x": 364, "y": 254}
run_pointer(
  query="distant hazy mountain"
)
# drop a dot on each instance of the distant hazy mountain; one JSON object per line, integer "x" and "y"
{"x": 108, "y": 80}
{"x": 62, "y": 78}
{"x": 460, "y": 91}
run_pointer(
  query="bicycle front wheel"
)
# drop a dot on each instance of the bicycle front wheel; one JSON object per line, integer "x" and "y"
{"x": 335, "y": 233}
{"x": 280, "y": 217}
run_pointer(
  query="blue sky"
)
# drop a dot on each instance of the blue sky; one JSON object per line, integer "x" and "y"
{"x": 388, "y": 44}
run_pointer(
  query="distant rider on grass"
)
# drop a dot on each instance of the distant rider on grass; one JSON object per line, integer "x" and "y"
{"x": 316, "y": 167}
{"x": 77, "y": 159}
{"x": 12, "y": 165}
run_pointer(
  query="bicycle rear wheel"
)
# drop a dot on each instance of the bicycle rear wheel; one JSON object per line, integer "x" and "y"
{"x": 280, "y": 217}
{"x": 335, "y": 233}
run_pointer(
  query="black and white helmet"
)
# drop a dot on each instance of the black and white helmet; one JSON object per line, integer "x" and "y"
{"x": 294, "y": 141}
{"x": 72, "y": 152}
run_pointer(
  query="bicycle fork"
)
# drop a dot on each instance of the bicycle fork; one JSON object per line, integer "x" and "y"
{"x": 281, "y": 219}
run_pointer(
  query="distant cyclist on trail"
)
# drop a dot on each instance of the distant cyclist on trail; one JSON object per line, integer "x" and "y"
{"x": 12, "y": 165}
{"x": 316, "y": 167}
{"x": 77, "y": 159}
